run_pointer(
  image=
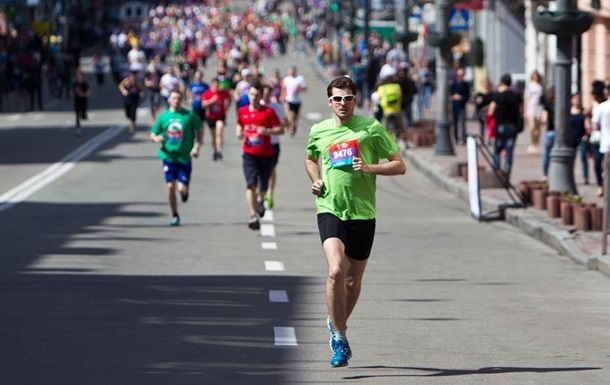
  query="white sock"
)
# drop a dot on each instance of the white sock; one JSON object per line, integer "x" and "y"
{"x": 340, "y": 335}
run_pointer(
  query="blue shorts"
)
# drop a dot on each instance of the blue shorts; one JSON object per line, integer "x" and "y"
{"x": 177, "y": 171}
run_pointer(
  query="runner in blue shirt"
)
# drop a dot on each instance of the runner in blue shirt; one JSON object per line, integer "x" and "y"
{"x": 196, "y": 89}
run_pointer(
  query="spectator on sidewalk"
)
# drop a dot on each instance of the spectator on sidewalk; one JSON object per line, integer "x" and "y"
{"x": 427, "y": 87}
{"x": 460, "y": 93}
{"x": 482, "y": 99}
{"x": 390, "y": 102}
{"x": 578, "y": 129}
{"x": 533, "y": 97}
{"x": 507, "y": 108}
{"x": 407, "y": 87}
{"x": 548, "y": 117}
{"x": 601, "y": 121}
{"x": 590, "y": 143}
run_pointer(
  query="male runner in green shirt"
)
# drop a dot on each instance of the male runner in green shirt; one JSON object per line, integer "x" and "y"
{"x": 179, "y": 132}
{"x": 349, "y": 148}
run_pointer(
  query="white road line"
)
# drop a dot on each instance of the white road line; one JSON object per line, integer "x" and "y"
{"x": 267, "y": 230}
{"x": 285, "y": 336}
{"x": 313, "y": 116}
{"x": 56, "y": 170}
{"x": 274, "y": 266}
{"x": 13, "y": 118}
{"x": 269, "y": 245}
{"x": 278, "y": 296}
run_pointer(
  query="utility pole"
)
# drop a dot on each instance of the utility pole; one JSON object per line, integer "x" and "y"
{"x": 566, "y": 22}
{"x": 443, "y": 40}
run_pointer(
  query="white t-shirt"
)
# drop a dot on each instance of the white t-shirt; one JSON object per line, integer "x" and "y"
{"x": 533, "y": 95}
{"x": 601, "y": 117}
{"x": 293, "y": 85}
{"x": 168, "y": 82}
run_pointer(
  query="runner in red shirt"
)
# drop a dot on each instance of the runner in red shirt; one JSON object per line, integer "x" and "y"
{"x": 216, "y": 101}
{"x": 255, "y": 124}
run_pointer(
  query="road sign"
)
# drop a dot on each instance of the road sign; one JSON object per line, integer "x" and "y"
{"x": 459, "y": 20}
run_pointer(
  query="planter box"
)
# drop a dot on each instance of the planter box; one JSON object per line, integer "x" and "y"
{"x": 567, "y": 213}
{"x": 539, "y": 198}
{"x": 582, "y": 218}
{"x": 597, "y": 217}
{"x": 553, "y": 206}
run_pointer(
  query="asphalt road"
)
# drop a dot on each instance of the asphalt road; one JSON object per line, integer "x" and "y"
{"x": 96, "y": 288}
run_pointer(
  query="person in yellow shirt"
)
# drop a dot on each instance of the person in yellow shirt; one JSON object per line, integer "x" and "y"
{"x": 390, "y": 102}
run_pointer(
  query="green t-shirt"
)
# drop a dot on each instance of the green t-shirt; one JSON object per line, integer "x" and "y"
{"x": 347, "y": 193}
{"x": 179, "y": 130}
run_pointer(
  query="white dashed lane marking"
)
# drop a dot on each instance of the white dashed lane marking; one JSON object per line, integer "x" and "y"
{"x": 285, "y": 336}
{"x": 267, "y": 230}
{"x": 269, "y": 245}
{"x": 274, "y": 266}
{"x": 278, "y": 296}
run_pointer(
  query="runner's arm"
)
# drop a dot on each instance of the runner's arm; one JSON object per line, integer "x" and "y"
{"x": 394, "y": 166}
{"x": 313, "y": 171}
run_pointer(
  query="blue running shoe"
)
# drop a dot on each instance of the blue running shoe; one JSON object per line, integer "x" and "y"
{"x": 175, "y": 221}
{"x": 341, "y": 354}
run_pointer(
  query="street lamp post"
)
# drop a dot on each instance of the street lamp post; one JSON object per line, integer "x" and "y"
{"x": 566, "y": 22}
{"x": 443, "y": 40}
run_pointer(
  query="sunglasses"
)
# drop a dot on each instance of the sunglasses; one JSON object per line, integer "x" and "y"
{"x": 342, "y": 98}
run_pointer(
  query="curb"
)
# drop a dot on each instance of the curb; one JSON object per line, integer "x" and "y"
{"x": 531, "y": 224}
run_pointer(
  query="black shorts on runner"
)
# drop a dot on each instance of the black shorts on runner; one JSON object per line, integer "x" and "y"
{"x": 294, "y": 107}
{"x": 276, "y": 153}
{"x": 200, "y": 113}
{"x": 212, "y": 122}
{"x": 357, "y": 235}
{"x": 257, "y": 170}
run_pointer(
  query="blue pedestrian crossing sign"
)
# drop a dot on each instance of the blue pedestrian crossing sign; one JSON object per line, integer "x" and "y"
{"x": 459, "y": 20}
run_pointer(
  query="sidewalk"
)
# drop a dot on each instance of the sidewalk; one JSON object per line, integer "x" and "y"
{"x": 583, "y": 247}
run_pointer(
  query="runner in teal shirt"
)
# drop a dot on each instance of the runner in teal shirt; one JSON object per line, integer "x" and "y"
{"x": 179, "y": 133}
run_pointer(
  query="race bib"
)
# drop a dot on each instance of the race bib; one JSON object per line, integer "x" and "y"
{"x": 253, "y": 138}
{"x": 342, "y": 154}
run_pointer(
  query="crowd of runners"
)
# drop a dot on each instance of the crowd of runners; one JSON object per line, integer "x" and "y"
{"x": 210, "y": 59}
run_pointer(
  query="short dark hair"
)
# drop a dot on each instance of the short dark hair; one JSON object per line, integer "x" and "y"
{"x": 506, "y": 79}
{"x": 257, "y": 86}
{"x": 342, "y": 83}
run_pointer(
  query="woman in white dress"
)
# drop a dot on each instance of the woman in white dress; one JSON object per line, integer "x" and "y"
{"x": 533, "y": 110}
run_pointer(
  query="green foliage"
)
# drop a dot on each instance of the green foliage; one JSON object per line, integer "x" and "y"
{"x": 572, "y": 198}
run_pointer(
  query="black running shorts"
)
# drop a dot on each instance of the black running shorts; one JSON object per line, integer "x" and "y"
{"x": 357, "y": 235}
{"x": 257, "y": 170}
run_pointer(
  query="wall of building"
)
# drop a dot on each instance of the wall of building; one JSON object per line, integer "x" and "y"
{"x": 595, "y": 48}
{"x": 504, "y": 40}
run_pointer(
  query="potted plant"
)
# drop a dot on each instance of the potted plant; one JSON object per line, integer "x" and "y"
{"x": 567, "y": 208}
{"x": 539, "y": 194}
{"x": 553, "y": 204}
{"x": 582, "y": 217}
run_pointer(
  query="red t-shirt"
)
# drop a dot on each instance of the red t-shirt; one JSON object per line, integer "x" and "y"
{"x": 255, "y": 143}
{"x": 216, "y": 110}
